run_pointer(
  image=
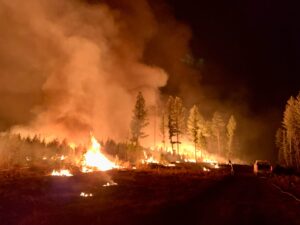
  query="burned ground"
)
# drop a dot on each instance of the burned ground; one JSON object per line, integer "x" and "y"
{"x": 157, "y": 196}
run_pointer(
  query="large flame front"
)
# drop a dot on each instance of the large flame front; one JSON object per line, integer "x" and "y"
{"x": 94, "y": 160}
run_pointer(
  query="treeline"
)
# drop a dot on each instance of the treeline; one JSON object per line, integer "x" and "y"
{"x": 288, "y": 135}
{"x": 178, "y": 125}
{"x": 213, "y": 135}
{"x": 16, "y": 151}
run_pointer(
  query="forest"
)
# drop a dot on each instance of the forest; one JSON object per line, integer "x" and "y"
{"x": 288, "y": 135}
{"x": 185, "y": 136}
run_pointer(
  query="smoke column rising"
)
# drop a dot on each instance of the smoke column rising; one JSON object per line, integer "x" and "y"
{"x": 71, "y": 67}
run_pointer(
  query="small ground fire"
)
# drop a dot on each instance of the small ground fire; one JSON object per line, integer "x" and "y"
{"x": 94, "y": 160}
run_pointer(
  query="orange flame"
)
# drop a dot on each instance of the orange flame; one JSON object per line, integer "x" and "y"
{"x": 94, "y": 160}
{"x": 85, "y": 195}
{"x": 65, "y": 173}
{"x": 148, "y": 160}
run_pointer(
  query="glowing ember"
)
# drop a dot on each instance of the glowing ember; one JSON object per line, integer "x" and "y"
{"x": 190, "y": 160}
{"x": 85, "y": 195}
{"x": 171, "y": 165}
{"x": 188, "y": 154}
{"x": 216, "y": 166}
{"x": 65, "y": 173}
{"x": 205, "y": 169}
{"x": 94, "y": 160}
{"x": 111, "y": 183}
{"x": 208, "y": 160}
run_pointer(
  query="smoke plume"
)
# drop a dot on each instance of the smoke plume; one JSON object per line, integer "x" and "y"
{"x": 71, "y": 67}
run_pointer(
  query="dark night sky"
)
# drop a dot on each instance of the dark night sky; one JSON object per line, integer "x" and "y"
{"x": 253, "y": 43}
{"x": 250, "y": 44}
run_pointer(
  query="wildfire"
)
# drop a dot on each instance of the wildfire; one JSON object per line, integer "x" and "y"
{"x": 65, "y": 173}
{"x": 190, "y": 160}
{"x": 111, "y": 183}
{"x": 94, "y": 160}
{"x": 150, "y": 159}
{"x": 212, "y": 162}
{"x": 187, "y": 154}
{"x": 85, "y": 195}
{"x": 206, "y": 169}
{"x": 209, "y": 160}
{"x": 171, "y": 165}
{"x": 216, "y": 166}
{"x": 72, "y": 145}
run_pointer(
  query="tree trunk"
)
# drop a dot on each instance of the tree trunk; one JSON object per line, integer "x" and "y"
{"x": 229, "y": 147}
{"x": 291, "y": 152}
{"x": 177, "y": 141}
{"x": 195, "y": 152}
{"x": 219, "y": 146}
{"x": 172, "y": 146}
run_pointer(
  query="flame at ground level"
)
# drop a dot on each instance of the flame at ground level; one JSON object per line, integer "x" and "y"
{"x": 110, "y": 183}
{"x": 85, "y": 195}
{"x": 186, "y": 154}
{"x": 65, "y": 173}
{"x": 94, "y": 160}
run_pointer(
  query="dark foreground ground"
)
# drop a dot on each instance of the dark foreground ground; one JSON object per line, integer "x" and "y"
{"x": 146, "y": 197}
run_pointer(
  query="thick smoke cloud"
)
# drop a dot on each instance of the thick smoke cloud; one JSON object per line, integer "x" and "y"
{"x": 71, "y": 67}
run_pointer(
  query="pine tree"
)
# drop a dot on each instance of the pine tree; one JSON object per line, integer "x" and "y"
{"x": 208, "y": 135}
{"x": 281, "y": 144}
{"x": 163, "y": 128}
{"x": 176, "y": 121}
{"x": 171, "y": 121}
{"x": 291, "y": 123}
{"x": 288, "y": 124}
{"x": 230, "y": 128}
{"x": 297, "y": 129}
{"x": 217, "y": 127}
{"x": 288, "y": 137}
{"x": 180, "y": 119}
{"x": 139, "y": 120}
{"x": 194, "y": 127}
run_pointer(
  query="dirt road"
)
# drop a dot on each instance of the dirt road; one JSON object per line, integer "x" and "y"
{"x": 235, "y": 200}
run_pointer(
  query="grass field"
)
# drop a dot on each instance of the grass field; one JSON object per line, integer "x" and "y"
{"x": 31, "y": 198}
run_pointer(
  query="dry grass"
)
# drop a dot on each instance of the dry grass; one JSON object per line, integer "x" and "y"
{"x": 288, "y": 183}
{"x": 31, "y": 198}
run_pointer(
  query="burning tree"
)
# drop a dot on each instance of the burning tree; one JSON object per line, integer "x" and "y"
{"x": 163, "y": 128}
{"x": 194, "y": 121}
{"x": 171, "y": 121}
{"x": 230, "y": 128}
{"x": 288, "y": 137}
{"x": 281, "y": 144}
{"x": 176, "y": 120}
{"x": 217, "y": 127}
{"x": 139, "y": 120}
